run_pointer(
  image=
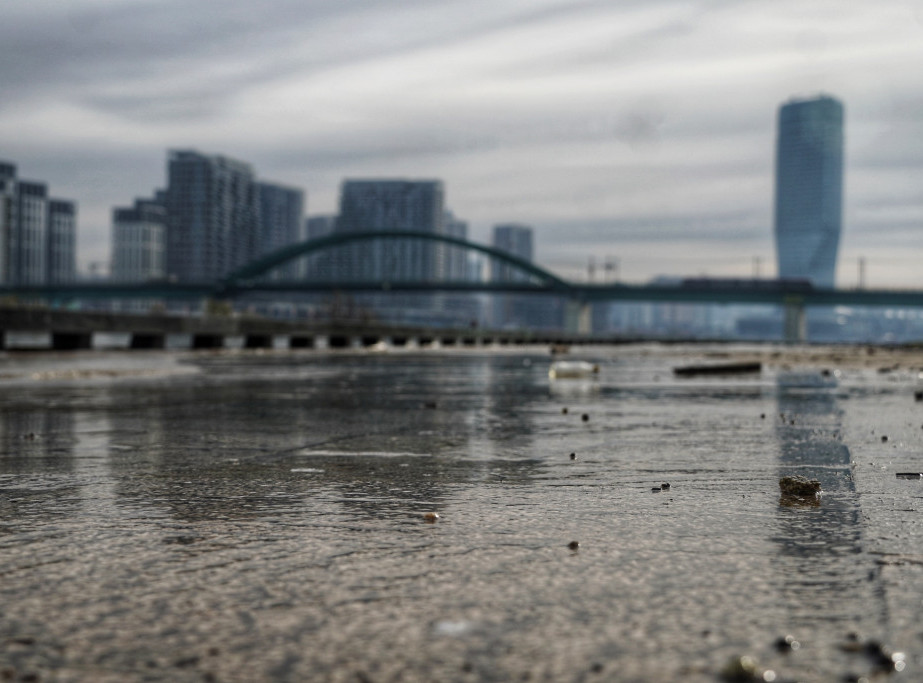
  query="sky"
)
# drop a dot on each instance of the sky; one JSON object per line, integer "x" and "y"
{"x": 636, "y": 131}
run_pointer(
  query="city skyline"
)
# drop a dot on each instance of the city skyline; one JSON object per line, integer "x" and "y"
{"x": 642, "y": 131}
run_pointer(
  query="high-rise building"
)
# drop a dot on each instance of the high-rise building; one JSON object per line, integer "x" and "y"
{"x": 281, "y": 222}
{"x": 516, "y": 240}
{"x": 809, "y": 189}
{"x": 455, "y": 259}
{"x": 62, "y": 241}
{"x": 7, "y": 216}
{"x": 511, "y": 310}
{"x": 320, "y": 266}
{"x": 139, "y": 242}
{"x": 213, "y": 212}
{"x": 37, "y": 233}
{"x": 388, "y": 205}
{"x": 385, "y": 206}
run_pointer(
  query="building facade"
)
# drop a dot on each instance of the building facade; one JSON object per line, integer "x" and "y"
{"x": 212, "y": 205}
{"x": 62, "y": 241}
{"x": 521, "y": 311}
{"x": 37, "y": 232}
{"x": 281, "y": 222}
{"x": 809, "y": 189}
{"x": 139, "y": 242}
{"x": 320, "y": 266}
{"x": 388, "y": 205}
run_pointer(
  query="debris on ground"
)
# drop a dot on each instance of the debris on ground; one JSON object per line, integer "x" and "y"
{"x": 740, "y": 368}
{"x": 799, "y": 486}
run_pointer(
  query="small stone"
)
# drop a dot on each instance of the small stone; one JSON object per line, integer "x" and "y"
{"x": 431, "y": 517}
{"x": 656, "y": 489}
{"x": 918, "y": 396}
{"x": 564, "y": 411}
{"x": 573, "y": 456}
{"x": 585, "y": 417}
{"x": 740, "y": 669}
{"x": 762, "y": 416}
{"x": 884, "y": 439}
{"x": 799, "y": 486}
{"x": 787, "y": 644}
{"x": 573, "y": 545}
{"x": 665, "y": 486}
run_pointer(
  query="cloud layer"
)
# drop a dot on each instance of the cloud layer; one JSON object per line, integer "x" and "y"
{"x": 640, "y": 130}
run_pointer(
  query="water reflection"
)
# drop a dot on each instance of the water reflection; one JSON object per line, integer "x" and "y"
{"x": 819, "y": 543}
{"x": 37, "y": 480}
{"x": 377, "y": 435}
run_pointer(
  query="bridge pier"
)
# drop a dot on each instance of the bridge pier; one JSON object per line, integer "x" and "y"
{"x": 795, "y": 325}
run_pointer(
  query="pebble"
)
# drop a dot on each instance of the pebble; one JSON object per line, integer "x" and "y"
{"x": 787, "y": 644}
{"x": 884, "y": 439}
{"x": 656, "y": 489}
{"x": 431, "y": 517}
{"x": 564, "y": 411}
{"x": 665, "y": 486}
{"x": 573, "y": 545}
{"x": 573, "y": 456}
{"x": 585, "y": 417}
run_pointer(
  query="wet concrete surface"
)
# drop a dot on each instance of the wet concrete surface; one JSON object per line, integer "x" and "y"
{"x": 261, "y": 517}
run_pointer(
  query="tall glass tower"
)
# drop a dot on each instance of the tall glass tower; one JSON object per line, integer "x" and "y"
{"x": 809, "y": 189}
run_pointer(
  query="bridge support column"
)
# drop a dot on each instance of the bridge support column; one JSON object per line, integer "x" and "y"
{"x": 578, "y": 317}
{"x": 795, "y": 330}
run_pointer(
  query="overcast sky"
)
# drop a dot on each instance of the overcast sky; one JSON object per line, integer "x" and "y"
{"x": 641, "y": 130}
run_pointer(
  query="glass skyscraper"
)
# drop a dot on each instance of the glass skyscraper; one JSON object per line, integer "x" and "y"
{"x": 809, "y": 189}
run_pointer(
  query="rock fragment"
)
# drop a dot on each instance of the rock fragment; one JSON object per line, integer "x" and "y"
{"x": 799, "y": 486}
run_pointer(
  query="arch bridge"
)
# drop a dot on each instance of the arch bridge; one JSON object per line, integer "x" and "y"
{"x": 794, "y": 296}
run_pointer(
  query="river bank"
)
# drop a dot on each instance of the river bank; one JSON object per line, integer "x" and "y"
{"x": 262, "y": 516}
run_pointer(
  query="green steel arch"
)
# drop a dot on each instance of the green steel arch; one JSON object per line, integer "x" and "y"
{"x": 261, "y": 265}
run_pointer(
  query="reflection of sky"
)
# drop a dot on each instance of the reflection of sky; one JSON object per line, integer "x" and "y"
{"x": 644, "y": 130}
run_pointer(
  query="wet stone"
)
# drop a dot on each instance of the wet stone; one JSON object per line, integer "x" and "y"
{"x": 573, "y": 545}
{"x": 799, "y": 486}
{"x": 585, "y": 417}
